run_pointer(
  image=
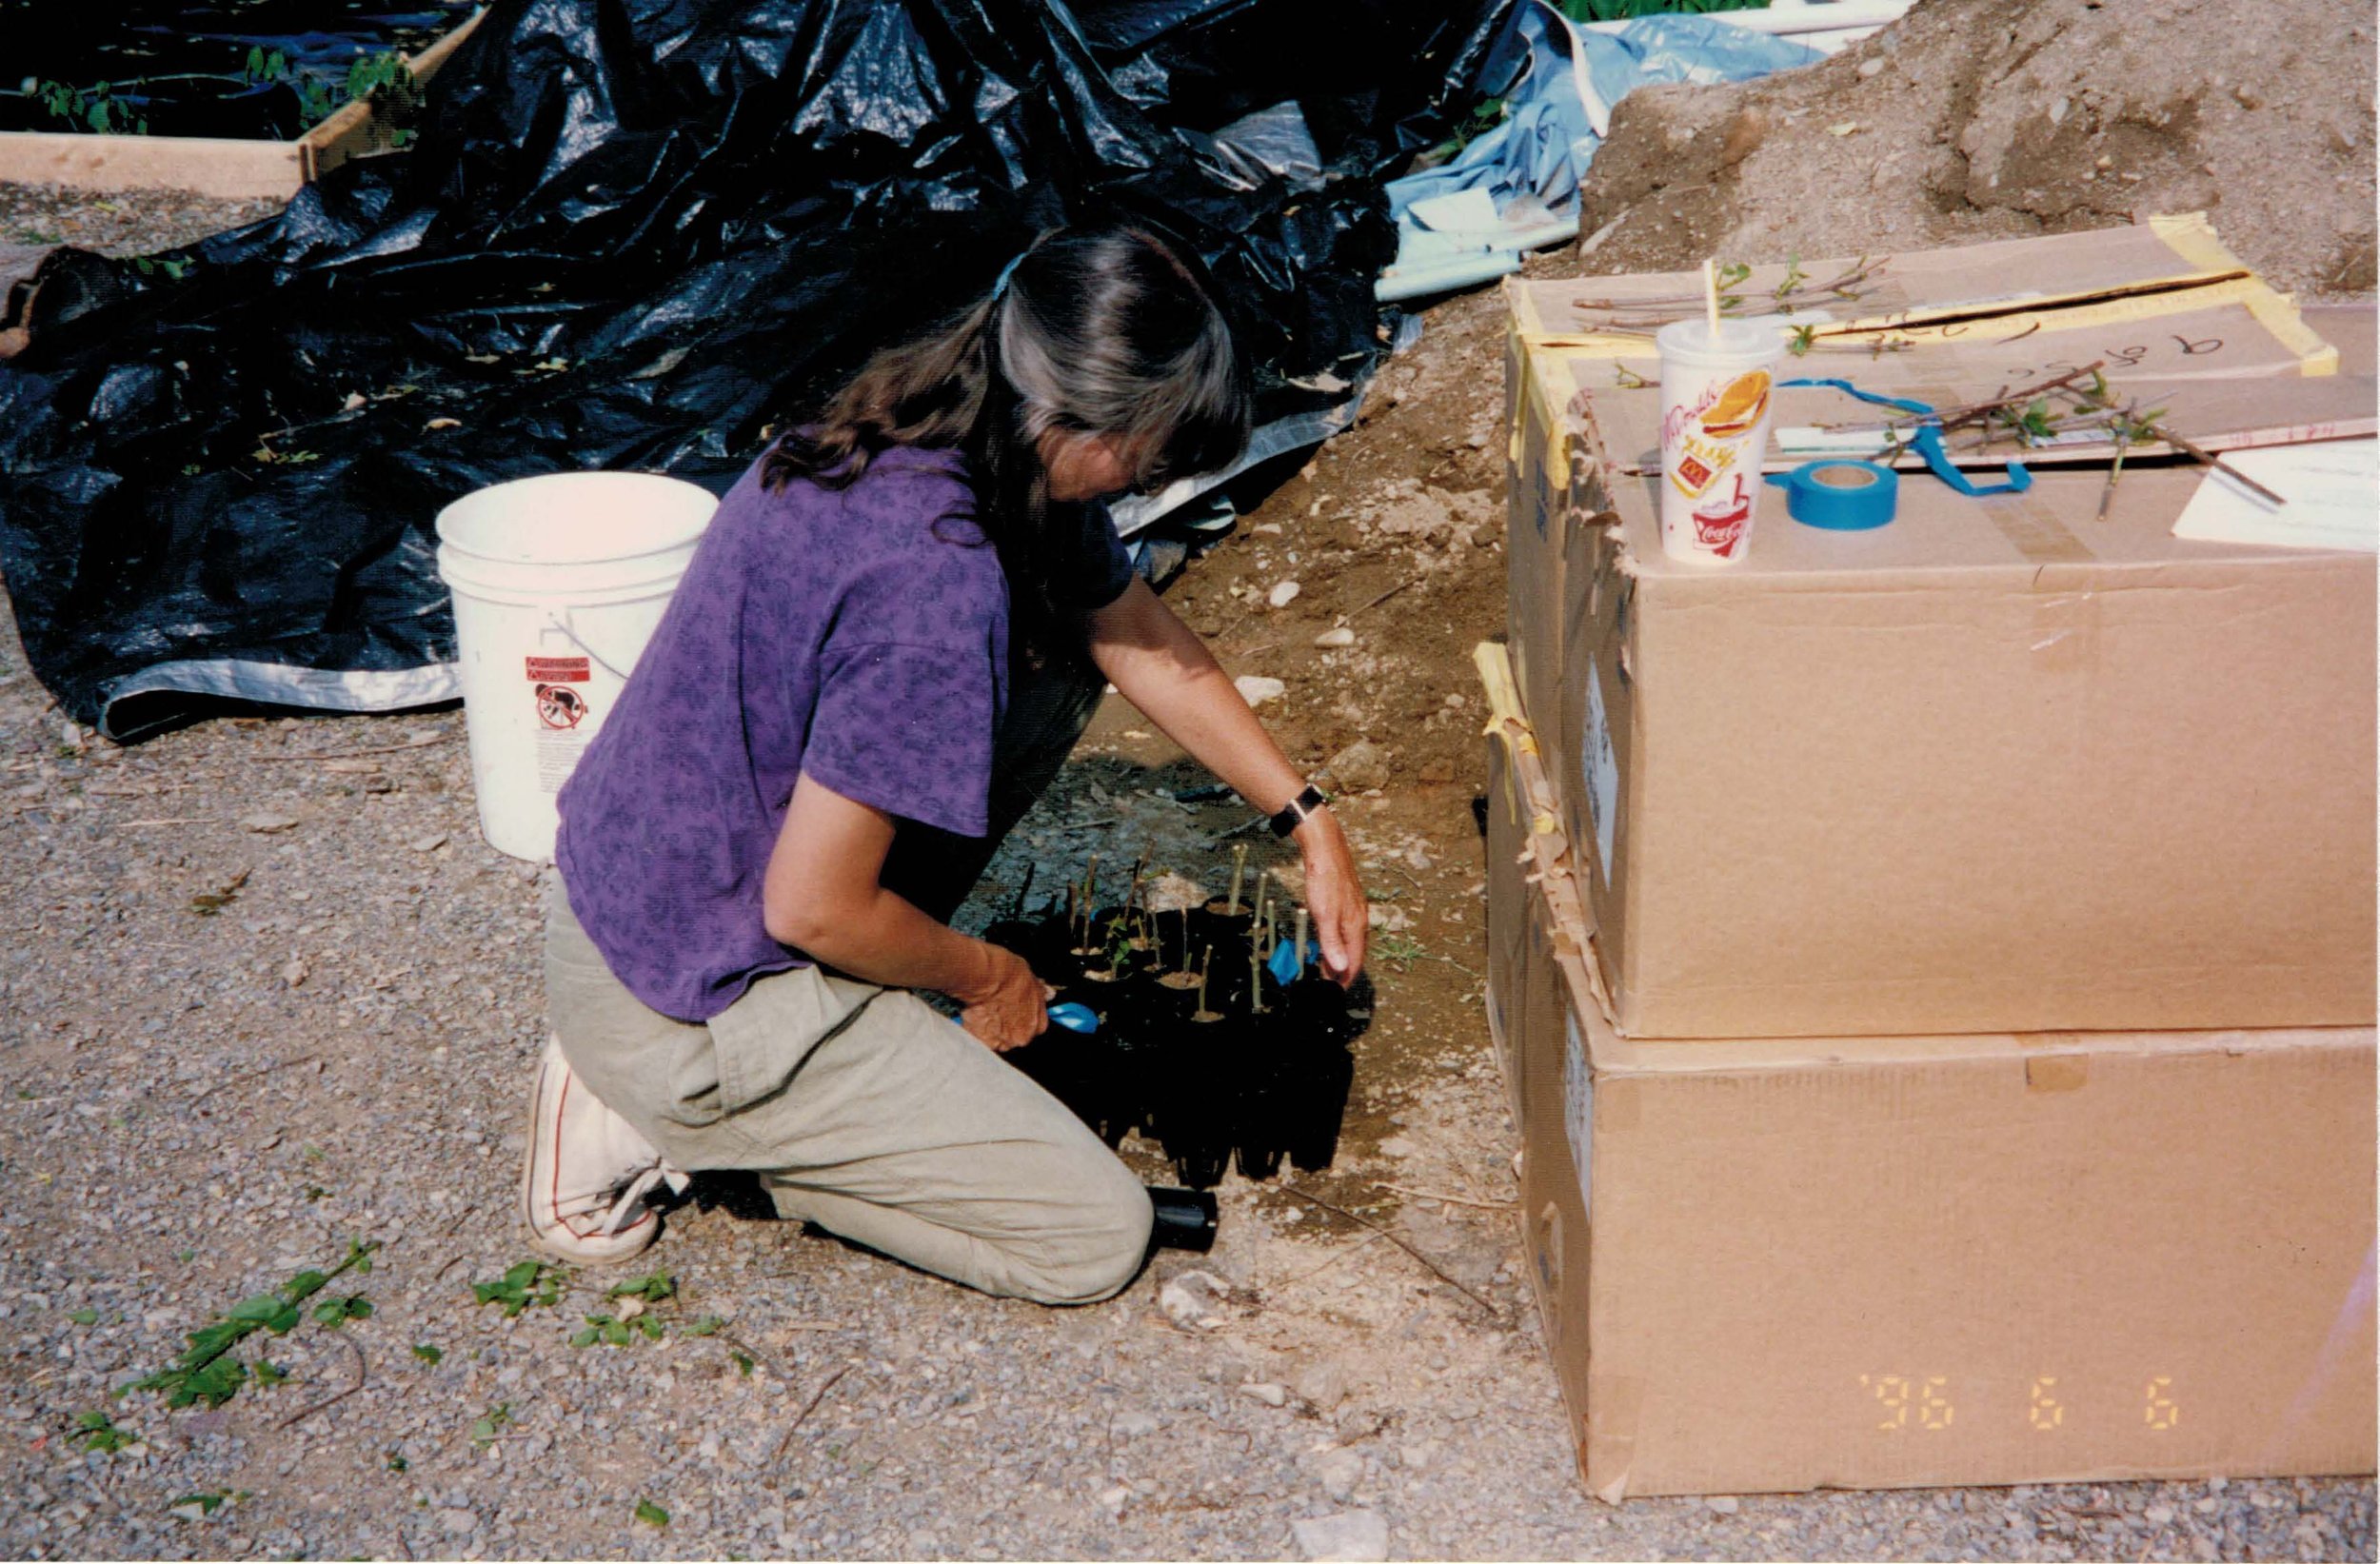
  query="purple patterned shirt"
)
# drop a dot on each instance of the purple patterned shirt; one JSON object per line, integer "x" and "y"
{"x": 861, "y": 636}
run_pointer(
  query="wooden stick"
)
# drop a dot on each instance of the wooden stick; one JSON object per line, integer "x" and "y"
{"x": 1436, "y": 1269}
{"x": 358, "y": 754}
{"x": 807, "y": 1407}
{"x": 1450, "y": 1199}
{"x": 362, "y": 1370}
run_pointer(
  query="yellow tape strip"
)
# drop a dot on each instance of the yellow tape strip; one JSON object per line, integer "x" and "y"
{"x": 1495, "y": 663}
{"x": 1524, "y": 310}
{"x": 2189, "y": 235}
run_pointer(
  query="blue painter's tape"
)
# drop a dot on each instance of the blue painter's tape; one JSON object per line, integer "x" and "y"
{"x": 1840, "y": 495}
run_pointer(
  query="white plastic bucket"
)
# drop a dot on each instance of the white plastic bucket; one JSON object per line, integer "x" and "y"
{"x": 558, "y": 581}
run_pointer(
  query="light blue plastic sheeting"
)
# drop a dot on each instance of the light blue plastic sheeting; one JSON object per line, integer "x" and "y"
{"x": 1516, "y": 188}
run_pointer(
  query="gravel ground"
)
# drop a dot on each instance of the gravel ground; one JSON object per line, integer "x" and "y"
{"x": 263, "y": 991}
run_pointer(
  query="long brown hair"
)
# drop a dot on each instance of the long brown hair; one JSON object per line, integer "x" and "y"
{"x": 1106, "y": 330}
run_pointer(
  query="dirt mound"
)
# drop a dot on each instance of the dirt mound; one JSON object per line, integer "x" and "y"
{"x": 1988, "y": 119}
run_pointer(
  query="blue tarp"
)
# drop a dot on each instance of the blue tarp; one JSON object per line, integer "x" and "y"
{"x": 1516, "y": 187}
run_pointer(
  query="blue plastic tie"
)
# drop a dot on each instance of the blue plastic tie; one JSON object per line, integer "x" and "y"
{"x": 1928, "y": 442}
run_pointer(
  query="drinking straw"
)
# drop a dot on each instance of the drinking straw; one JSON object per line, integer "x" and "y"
{"x": 1711, "y": 296}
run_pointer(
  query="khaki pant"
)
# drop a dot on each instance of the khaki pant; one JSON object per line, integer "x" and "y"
{"x": 863, "y": 1109}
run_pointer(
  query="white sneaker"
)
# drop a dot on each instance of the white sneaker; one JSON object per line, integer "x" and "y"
{"x": 590, "y": 1175}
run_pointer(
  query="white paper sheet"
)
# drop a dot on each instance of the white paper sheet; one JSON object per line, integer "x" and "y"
{"x": 2334, "y": 492}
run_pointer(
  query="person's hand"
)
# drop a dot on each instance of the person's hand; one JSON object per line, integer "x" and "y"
{"x": 1007, "y": 1008}
{"x": 1342, "y": 918}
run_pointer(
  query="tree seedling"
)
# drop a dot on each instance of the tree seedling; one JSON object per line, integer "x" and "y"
{"x": 1203, "y": 1014}
{"x": 429, "y": 1353}
{"x": 209, "y": 1372}
{"x": 530, "y": 1284}
{"x": 651, "y": 1513}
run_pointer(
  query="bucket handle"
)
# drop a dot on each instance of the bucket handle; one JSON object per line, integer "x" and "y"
{"x": 572, "y": 636}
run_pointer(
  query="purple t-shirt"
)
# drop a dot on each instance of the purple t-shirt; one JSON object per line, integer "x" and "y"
{"x": 859, "y": 636}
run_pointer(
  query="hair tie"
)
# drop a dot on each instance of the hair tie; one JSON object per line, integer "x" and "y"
{"x": 1000, "y": 285}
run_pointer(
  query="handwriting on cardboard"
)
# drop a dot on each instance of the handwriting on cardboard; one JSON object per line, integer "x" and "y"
{"x": 2332, "y": 486}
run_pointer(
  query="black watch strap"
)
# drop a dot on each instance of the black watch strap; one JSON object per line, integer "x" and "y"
{"x": 1294, "y": 813}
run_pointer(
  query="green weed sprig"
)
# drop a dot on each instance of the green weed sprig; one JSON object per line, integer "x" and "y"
{"x": 208, "y": 1370}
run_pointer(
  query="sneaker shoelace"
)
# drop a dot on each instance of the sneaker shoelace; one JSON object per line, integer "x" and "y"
{"x": 626, "y": 1201}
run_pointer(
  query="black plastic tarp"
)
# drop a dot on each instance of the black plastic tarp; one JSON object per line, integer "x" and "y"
{"x": 640, "y": 234}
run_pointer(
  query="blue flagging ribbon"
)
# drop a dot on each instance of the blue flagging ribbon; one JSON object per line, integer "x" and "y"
{"x": 1928, "y": 441}
{"x": 1282, "y": 964}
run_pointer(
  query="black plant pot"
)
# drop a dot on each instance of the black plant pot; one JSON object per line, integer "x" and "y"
{"x": 1315, "y": 1070}
{"x": 1193, "y": 1113}
{"x": 1227, "y": 932}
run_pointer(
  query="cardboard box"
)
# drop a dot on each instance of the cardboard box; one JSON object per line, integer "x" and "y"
{"x": 1508, "y": 829}
{"x": 1996, "y": 767}
{"x": 1779, "y": 1264}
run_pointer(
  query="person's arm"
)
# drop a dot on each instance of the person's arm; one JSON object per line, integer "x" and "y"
{"x": 822, "y": 896}
{"x": 1160, "y": 664}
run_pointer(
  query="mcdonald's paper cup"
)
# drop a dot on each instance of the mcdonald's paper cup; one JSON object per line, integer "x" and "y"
{"x": 1715, "y": 434}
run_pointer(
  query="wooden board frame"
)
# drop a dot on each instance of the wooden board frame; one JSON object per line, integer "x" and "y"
{"x": 222, "y": 167}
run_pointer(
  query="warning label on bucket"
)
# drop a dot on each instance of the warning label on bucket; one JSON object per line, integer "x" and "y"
{"x": 561, "y": 710}
{"x": 557, "y": 670}
{"x": 560, "y": 706}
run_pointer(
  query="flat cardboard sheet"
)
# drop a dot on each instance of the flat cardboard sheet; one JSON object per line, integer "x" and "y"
{"x": 2331, "y": 492}
{"x": 2173, "y": 324}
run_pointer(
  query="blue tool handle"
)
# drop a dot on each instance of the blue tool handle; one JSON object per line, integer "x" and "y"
{"x": 1075, "y": 1017}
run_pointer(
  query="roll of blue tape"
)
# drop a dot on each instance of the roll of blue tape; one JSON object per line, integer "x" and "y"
{"x": 1840, "y": 495}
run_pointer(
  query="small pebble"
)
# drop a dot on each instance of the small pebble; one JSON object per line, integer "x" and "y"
{"x": 265, "y": 823}
{"x": 1356, "y": 1535}
{"x": 1268, "y": 1393}
{"x": 1258, "y": 690}
{"x": 1283, "y": 594}
{"x": 1723, "y": 1504}
{"x": 1337, "y": 636}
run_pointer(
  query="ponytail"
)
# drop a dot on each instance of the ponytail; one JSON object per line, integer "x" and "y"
{"x": 1102, "y": 332}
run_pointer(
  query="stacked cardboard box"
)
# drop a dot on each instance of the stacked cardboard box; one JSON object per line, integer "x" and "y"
{"x": 1876, "y": 931}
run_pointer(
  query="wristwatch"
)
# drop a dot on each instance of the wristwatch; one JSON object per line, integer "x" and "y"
{"x": 1294, "y": 813}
